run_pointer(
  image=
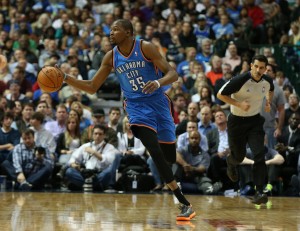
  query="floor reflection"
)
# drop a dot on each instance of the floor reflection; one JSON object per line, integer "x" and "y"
{"x": 138, "y": 212}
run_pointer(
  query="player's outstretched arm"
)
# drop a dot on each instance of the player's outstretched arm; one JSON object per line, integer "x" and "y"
{"x": 151, "y": 52}
{"x": 92, "y": 86}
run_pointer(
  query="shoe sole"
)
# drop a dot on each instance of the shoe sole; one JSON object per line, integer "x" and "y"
{"x": 186, "y": 218}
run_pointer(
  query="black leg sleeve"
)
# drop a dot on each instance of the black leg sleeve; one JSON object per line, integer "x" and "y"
{"x": 149, "y": 140}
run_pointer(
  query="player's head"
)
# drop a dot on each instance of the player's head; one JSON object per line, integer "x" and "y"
{"x": 126, "y": 25}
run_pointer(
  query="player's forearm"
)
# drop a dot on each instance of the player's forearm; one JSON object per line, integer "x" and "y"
{"x": 169, "y": 78}
{"x": 84, "y": 85}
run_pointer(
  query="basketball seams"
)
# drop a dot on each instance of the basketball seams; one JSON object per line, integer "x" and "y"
{"x": 50, "y": 79}
{"x": 46, "y": 74}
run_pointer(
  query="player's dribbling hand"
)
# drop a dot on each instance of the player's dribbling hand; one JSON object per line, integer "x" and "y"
{"x": 245, "y": 105}
{"x": 150, "y": 87}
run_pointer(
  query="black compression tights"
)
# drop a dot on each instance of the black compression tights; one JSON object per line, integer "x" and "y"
{"x": 160, "y": 153}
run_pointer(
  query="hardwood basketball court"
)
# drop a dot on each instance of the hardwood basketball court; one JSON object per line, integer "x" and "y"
{"x": 47, "y": 211}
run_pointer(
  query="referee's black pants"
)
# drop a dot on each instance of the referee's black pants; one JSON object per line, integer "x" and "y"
{"x": 243, "y": 131}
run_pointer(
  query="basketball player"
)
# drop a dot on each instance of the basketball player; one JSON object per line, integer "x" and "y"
{"x": 245, "y": 93}
{"x": 139, "y": 68}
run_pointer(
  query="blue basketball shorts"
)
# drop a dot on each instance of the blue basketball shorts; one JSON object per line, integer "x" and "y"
{"x": 154, "y": 114}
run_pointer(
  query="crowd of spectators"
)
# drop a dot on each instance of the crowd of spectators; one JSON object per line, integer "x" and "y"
{"x": 207, "y": 42}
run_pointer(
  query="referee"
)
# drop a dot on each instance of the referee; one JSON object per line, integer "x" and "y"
{"x": 245, "y": 94}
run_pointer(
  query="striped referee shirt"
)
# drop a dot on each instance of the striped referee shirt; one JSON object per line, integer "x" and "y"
{"x": 244, "y": 87}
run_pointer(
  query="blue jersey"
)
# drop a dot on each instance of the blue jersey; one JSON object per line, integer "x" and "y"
{"x": 134, "y": 71}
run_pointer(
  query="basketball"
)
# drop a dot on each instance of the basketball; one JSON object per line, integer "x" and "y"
{"x": 50, "y": 79}
{"x": 3, "y": 61}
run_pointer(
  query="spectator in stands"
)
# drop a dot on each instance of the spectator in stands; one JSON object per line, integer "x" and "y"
{"x": 24, "y": 122}
{"x": 28, "y": 47}
{"x": 187, "y": 37}
{"x": 179, "y": 103}
{"x": 281, "y": 79}
{"x": 289, "y": 147}
{"x": 232, "y": 58}
{"x": 191, "y": 167}
{"x": 18, "y": 74}
{"x": 98, "y": 118}
{"x": 91, "y": 160}
{"x": 163, "y": 32}
{"x": 43, "y": 22}
{"x": 84, "y": 115}
{"x": 58, "y": 126}
{"x": 294, "y": 106}
{"x": 69, "y": 37}
{"x": 68, "y": 141}
{"x": 172, "y": 8}
{"x": 257, "y": 16}
{"x": 31, "y": 165}
{"x": 98, "y": 56}
{"x": 183, "y": 139}
{"x": 205, "y": 54}
{"x": 74, "y": 61}
{"x": 227, "y": 75}
{"x": 114, "y": 116}
{"x": 183, "y": 68}
{"x": 175, "y": 51}
{"x": 243, "y": 26}
{"x": 203, "y": 31}
{"x": 20, "y": 60}
{"x": 193, "y": 110}
{"x": 218, "y": 149}
{"x": 131, "y": 152}
{"x": 274, "y": 120}
{"x": 14, "y": 93}
{"x": 64, "y": 17}
{"x": 203, "y": 91}
{"x": 42, "y": 137}
{"x": 196, "y": 74}
{"x": 224, "y": 29}
{"x": 216, "y": 69}
{"x": 205, "y": 123}
{"x": 9, "y": 137}
{"x": 43, "y": 107}
{"x": 287, "y": 90}
{"x": 50, "y": 49}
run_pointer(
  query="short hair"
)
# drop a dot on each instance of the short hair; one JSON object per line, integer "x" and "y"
{"x": 274, "y": 69}
{"x": 114, "y": 109}
{"x": 260, "y": 58}
{"x": 101, "y": 127}
{"x": 38, "y": 116}
{"x": 288, "y": 87}
{"x": 27, "y": 104}
{"x": 125, "y": 24}
{"x": 28, "y": 132}
{"x": 8, "y": 114}
{"x": 61, "y": 105}
{"x": 40, "y": 150}
{"x": 43, "y": 101}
